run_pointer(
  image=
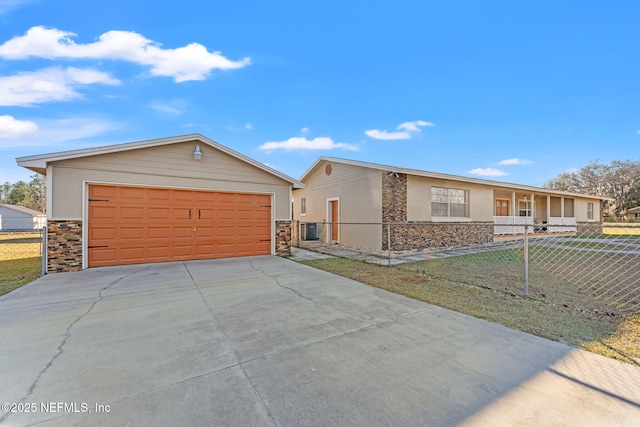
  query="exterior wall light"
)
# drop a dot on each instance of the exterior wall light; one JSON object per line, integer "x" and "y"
{"x": 197, "y": 154}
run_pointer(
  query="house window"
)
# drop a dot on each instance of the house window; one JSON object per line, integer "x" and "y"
{"x": 524, "y": 208}
{"x": 590, "y": 211}
{"x": 449, "y": 202}
{"x": 303, "y": 206}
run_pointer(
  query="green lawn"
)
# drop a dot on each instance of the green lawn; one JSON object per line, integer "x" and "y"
{"x": 18, "y": 272}
{"x": 20, "y": 261}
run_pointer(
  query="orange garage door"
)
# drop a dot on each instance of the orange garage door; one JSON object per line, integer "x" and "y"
{"x": 132, "y": 225}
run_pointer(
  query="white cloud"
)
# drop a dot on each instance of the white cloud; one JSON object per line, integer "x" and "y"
{"x": 514, "y": 161}
{"x": 8, "y": 5}
{"x": 190, "y": 62}
{"x": 300, "y": 143}
{"x": 248, "y": 126}
{"x": 176, "y": 106}
{"x": 48, "y": 85}
{"x": 487, "y": 172}
{"x": 52, "y": 133}
{"x": 304, "y": 130}
{"x": 10, "y": 127}
{"x": 405, "y": 131}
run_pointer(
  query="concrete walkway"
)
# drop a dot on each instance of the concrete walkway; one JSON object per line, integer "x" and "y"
{"x": 382, "y": 258}
{"x": 266, "y": 341}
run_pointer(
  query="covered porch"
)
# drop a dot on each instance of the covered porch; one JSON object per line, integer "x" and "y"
{"x": 515, "y": 210}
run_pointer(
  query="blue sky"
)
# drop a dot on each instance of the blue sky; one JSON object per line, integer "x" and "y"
{"x": 505, "y": 90}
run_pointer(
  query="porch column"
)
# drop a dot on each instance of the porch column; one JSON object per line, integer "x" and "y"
{"x": 548, "y": 209}
{"x": 513, "y": 204}
{"x": 562, "y": 210}
{"x": 533, "y": 207}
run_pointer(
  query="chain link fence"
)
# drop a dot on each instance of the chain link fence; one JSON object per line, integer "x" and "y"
{"x": 590, "y": 266}
{"x": 23, "y": 246}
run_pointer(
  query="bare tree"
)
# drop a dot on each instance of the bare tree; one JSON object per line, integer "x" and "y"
{"x": 617, "y": 180}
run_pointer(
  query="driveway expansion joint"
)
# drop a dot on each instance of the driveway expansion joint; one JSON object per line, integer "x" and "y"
{"x": 297, "y": 293}
{"x": 233, "y": 350}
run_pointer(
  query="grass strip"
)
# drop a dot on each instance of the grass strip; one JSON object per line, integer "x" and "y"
{"x": 18, "y": 272}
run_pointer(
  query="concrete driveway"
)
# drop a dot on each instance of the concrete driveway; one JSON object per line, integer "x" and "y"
{"x": 266, "y": 341}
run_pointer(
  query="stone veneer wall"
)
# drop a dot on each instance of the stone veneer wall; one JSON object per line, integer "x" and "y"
{"x": 64, "y": 246}
{"x": 283, "y": 238}
{"x": 589, "y": 228}
{"x": 394, "y": 205}
{"x": 420, "y": 235}
{"x": 432, "y": 235}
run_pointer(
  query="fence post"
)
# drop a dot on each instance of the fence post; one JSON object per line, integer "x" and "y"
{"x": 526, "y": 260}
{"x": 43, "y": 250}
{"x": 389, "y": 243}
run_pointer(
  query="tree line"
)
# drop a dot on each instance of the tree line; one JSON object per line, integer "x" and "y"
{"x": 31, "y": 195}
{"x": 618, "y": 180}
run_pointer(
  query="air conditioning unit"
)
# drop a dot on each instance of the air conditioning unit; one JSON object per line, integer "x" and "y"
{"x": 309, "y": 231}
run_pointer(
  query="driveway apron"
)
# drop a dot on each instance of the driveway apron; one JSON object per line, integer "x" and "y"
{"x": 265, "y": 341}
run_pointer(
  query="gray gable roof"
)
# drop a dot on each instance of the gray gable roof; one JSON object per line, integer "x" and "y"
{"x": 418, "y": 172}
{"x": 23, "y": 210}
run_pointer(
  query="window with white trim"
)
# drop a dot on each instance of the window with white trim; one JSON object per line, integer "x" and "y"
{"x": 590, "y": 210}
{"x": 524, "y": 208}
{"x": 303, "y": 206}
{"x": 449, "y": 202}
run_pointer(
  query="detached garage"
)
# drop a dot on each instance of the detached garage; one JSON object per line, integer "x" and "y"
{"x": 170, "y": 199}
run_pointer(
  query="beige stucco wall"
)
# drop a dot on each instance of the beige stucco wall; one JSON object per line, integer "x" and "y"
{"x": 164, "y": 166}
{"x": 581, "y": 210}
{"x": 482, "y": 200}
{"x": 419, "y": 199}
{"x": 359, "y": 191}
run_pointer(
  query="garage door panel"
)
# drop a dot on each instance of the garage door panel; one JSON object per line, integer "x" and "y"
{"x": 134, "y": 212}
{"x": 102, "y": 255}
{"x": 159, "y": 232}
{"x": 183, "y": 195}
{"x": 205, "y": 231}
{"x": 103, "y": 192}
{"x": 183, "y": 253}
{"x": 206, "y": 251}
{"x": 103, "y": 233}
{"x": 155, "y": 224}
{"x": 225, "y": 214}
{"x": 159, "y": 213}
{"x": 159, "y": 195}
{"x": 247, "y": 231}
{"x": 100, "y": 212}
{"x": 136, "y": 253}
{"x": 159, "y": 252}
{"x": 245, "y": 215}
{"x": 132, "y": 233}
{"x": 262, "y": 215}
{"x": 182, "y": 232}
{"x": 183, "y": 214}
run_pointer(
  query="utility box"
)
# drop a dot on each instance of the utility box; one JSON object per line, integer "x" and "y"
{"x": 309, "y": 231}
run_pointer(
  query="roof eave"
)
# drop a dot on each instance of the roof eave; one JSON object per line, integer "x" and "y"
{"x": 436, "y": 175}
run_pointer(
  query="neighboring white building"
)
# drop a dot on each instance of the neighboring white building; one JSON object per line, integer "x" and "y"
{"x": 13, "y": 217}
